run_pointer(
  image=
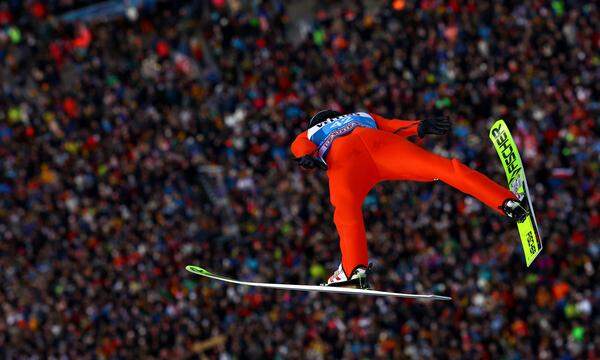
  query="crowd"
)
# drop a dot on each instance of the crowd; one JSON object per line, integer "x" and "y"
{"x": 106, "y": 129}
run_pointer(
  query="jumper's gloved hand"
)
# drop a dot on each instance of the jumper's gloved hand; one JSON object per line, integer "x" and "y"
{"x": 308, "y": 162}
{"x": 438, "y": 125}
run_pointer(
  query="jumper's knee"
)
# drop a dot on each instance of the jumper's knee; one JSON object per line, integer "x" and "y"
{"x": 452, "y": 167}
{"x": 461, "y": 169}
{"x": 456, "y": 166}
{"x": 455, "y": 171}
{"x": 349, "y": 214}
{"x": 347, "y": 209}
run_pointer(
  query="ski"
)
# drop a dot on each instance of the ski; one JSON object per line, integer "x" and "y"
{"x": 506, "y": 148}
{"x": 319, "y": 288}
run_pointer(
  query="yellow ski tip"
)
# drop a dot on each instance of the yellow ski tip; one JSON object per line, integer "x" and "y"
{"x": 197, "y": 270}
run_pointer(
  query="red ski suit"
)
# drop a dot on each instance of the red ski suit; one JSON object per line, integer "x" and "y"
{"x": 359, "y": 160}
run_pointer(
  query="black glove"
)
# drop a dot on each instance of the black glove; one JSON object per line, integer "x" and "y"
{"x": 438, "y": 125}
{"x": 308, "y": 162}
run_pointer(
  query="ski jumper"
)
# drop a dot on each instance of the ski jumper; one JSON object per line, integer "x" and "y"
{"x": 363, "y": 149}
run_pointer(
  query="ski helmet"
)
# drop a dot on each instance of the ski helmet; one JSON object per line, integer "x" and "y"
{"x": 322, "y": 116}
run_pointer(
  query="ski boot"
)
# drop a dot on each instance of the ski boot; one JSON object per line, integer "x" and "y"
{"x": 359, "y": 278}
{"x": 515, "y": 209}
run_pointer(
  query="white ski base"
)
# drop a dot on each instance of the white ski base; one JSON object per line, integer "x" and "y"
{"x": 328, "y": 289}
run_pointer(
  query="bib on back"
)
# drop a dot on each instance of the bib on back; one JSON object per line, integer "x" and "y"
{"x": 323, "y": 134}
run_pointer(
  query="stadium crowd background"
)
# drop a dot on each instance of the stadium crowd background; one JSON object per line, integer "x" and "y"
{"x": 107, "y": 128}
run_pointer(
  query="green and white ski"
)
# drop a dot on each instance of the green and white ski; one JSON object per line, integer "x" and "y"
{"x": 319, "y": 288}
{"x": 517, "y": 183}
